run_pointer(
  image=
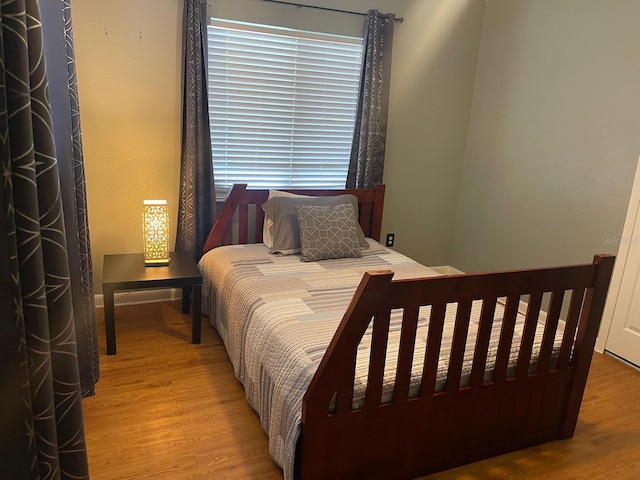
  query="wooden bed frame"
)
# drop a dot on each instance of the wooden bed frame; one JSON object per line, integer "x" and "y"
{"x": 436, "y": 430}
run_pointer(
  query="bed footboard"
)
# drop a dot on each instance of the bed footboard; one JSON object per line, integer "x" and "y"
{"x": 440, "y": 428}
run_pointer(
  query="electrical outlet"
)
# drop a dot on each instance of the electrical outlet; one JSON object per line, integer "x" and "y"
{"x": 390, "y": 238}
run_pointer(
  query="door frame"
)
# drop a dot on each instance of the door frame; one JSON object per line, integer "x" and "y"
{"x": 621, "y": 262}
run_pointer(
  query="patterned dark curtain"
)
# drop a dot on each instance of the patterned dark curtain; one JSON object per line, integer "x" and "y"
{"x": 78, "y": 231}
{"x": 63, "y": 96}
{"x": 367, "y": 152}
{"x": 196, "y": 209}
{"x": 42, "y": 432}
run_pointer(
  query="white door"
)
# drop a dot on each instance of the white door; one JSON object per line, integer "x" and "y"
{"x": 624, "y": 334}
{"x": 622, "y": 312}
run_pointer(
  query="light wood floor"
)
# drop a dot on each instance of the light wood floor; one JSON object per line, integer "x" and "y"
{"x": 166, "y": 409}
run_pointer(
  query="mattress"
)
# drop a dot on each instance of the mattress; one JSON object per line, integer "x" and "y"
{"x": 277, "y": 314}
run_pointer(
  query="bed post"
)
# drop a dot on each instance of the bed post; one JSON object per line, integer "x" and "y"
{"x": 376, "y": 220}
{"x": 586, "y": 339}
{"x": 336, "y": 371}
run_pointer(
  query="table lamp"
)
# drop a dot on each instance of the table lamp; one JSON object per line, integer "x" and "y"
{"x": 155, "y": 226}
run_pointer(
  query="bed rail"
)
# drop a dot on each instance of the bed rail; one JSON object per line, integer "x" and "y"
{"x": 443, "y": 428}
{"x": 241, "y": 217}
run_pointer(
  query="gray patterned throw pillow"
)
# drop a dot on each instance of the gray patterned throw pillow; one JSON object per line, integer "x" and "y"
{"x": 328, "y": 232}
{"x": 286, "y": 229}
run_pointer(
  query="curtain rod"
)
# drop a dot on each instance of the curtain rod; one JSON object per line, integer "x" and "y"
{"x": 398, "y": 19}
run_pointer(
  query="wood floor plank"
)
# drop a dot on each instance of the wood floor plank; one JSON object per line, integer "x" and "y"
{"x": 167, "y": 409}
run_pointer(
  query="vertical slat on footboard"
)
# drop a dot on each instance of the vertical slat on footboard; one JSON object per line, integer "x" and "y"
{"x": 550, "y": 329}
{"x": 506, "y": 336}
{"x": 460, "y": 332}
{"x": 377, "y": 359}
{"x": 405, "y": 356}
{"x": 571, "y": 325}
{"x": 434, "y": 340}
{"x": 528, "y": 335}
{"x": 482, "y": 342}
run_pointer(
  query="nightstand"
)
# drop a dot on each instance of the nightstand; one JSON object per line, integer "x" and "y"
{"x": 128, "y": 272}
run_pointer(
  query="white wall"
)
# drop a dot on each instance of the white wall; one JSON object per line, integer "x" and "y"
{"x": 128, "y": 63}
{"x": 554, "y": 134}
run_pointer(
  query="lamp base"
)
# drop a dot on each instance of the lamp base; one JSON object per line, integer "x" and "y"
{"x": 156, "y": 262}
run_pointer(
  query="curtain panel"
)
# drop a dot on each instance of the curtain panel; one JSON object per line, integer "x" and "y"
{"x": 42, "y": 430}
{"x": 63, "y": 97}
{"x": 82, "y": 270}
{"x": 366, "y": 164}
{"x": 196, "y": 209}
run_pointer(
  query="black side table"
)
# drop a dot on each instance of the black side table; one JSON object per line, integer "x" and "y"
{"x": 128, "y": 272}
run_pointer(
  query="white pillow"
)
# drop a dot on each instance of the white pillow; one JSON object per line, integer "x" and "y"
{"x": 267, "y": 226}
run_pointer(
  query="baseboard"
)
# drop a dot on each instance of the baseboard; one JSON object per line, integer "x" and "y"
{"x": 134, "y": 297}
{"x": 623, "y": 360}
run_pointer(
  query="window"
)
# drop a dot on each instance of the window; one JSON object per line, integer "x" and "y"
{"x": 282, "y": 105}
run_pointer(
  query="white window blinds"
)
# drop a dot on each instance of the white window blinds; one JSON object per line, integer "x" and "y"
{"x": 282, "y": 106}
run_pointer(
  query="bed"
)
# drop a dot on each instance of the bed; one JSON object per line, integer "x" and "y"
{"x": 374, "y": 366}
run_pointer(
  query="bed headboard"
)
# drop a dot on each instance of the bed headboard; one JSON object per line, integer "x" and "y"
{"x": 246, "y": 226}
